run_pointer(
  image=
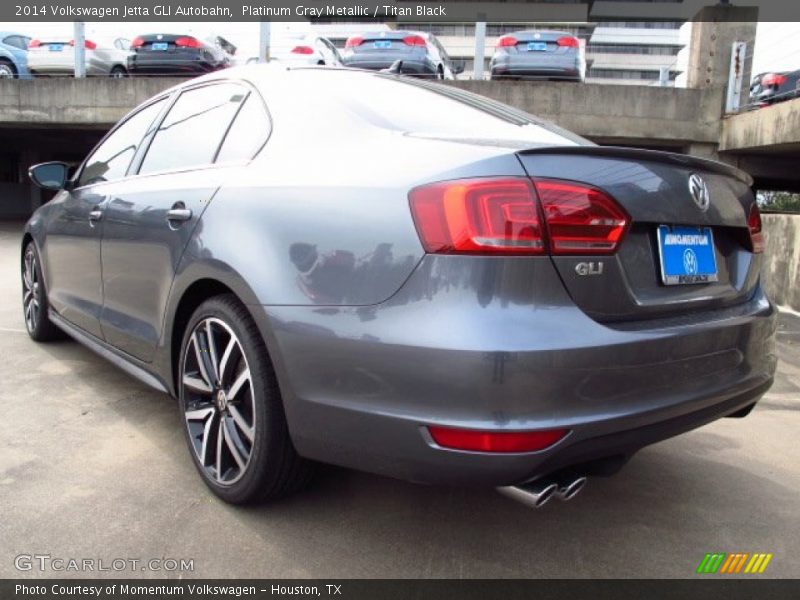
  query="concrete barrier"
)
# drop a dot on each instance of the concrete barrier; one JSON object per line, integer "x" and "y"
{"x": 781, "y": 273}
{"x": 17, "y": 201}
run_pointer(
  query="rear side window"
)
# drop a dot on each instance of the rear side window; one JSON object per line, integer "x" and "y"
{"x": 423, "y": 108}
{"x": 192, "y": 131}
{"x": 16, "y": 41}
{"x": 114, "y": 155}
{"x": 248, "y": 133}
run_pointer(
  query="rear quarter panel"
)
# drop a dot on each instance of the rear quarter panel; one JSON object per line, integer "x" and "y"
{"x": 328, "y": 223}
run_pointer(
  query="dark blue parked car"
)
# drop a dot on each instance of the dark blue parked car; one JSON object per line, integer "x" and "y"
{"x": 13, "y": 55}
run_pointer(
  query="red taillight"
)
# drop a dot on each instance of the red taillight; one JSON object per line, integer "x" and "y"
{"x": 567, "y": 41}
{"x": 88, "y": 44}
{"x": 137, "y": 42}
{"x": 506, "y": 41}
{"x": 757, "y": 241}
{"x": 495, "y": 441}
{"x": 302, "y": 50}
{"x": 414, "y": 40}
{"x": 773, "y": 79}
{"x": 188, "y": 42}
{"x": 354, "y": 41}
{"x": 34, "y": 44}
{"x": 502, "y": 216}
{"x": 484, "y": 216}
{"x": 580, "y": 219}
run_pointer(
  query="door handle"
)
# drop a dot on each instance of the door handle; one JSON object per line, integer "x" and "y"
{"x": 179, "y": 214}
{"x": 95, "y": 215}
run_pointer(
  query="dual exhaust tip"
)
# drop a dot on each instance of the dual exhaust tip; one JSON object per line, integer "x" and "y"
{"x": 538, "y": 493}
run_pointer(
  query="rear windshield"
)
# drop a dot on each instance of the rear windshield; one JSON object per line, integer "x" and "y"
{"x": 419, "y": 107}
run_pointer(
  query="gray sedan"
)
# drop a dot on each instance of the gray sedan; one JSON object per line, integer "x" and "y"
{"x": 539, "y": 55}
{"x": 328, "y": 265}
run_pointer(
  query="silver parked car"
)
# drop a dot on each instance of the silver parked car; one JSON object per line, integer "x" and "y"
{"x": 388, "y": 274}
{"x": 410, "y": 52}
{"x": 105, "y": 57}
{"x": 539, "y": 55}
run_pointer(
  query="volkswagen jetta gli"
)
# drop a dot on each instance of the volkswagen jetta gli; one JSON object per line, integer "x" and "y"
{"x": 396, "y": 276}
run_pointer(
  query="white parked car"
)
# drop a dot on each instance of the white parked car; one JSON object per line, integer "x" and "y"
{"x": 302, "y": 49}
{"x": 105, "y": 57}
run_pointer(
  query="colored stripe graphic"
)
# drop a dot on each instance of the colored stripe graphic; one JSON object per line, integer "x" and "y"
{"x": 711, "y": 562}
{"x": 758, "y": 563}
{"x": 734, "y": 563}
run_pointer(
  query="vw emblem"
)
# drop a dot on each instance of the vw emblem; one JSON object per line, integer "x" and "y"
{"x": 690, "y": 261}
{"x": 699, "y": 191}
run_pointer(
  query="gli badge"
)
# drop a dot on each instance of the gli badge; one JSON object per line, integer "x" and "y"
{"x": 589, "y": 268}
{"x": 699, "y": 191}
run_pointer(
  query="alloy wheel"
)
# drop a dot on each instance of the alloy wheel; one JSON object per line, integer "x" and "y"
{"x": 30, "y": 290}
{"x": 218, "y": 401}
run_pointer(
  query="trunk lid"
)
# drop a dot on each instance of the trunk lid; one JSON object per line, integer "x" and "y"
{"x": 653, "y": 187}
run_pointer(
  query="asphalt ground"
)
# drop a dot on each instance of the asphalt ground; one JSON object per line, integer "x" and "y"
{"x": 93, "y": 465}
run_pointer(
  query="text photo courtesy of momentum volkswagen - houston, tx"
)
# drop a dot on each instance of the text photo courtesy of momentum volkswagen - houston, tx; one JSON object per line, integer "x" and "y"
{"x": 410, "y": 299}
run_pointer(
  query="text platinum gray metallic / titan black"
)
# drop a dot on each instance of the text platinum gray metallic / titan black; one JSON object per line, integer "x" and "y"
{"x": 383, "y": 273}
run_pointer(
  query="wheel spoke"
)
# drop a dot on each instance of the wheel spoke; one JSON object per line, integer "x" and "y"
{"x": 199, "y": 414}
{"x": 196, "y": 384}
{"x": 226, "y": 356}
{"x": 232, "y": 447}
{"x": 220, "y": 435}
{"x": 241, "y": 423}
{"x": 27, "y": 296}
{"x": 212, "y": 352}
{"x": 204, "y": 447}
{"x": 244, "y": 377}
{"x": 201, "y": 361}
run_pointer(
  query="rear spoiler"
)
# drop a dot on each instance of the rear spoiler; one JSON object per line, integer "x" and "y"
{"x": 683, "y": 160}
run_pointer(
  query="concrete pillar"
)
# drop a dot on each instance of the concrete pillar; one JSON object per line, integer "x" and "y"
{"x": 703, "y": 150}
{"x": 713, "y": 33}
{"x": 480, "y": 50}
{"x": 264, "y": 31}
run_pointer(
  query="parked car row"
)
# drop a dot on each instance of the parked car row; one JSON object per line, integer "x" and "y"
{"x": 533, "y": 54}
{"x": 154, "y": 54}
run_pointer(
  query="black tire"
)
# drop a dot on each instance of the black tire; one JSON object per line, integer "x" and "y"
{"x": 118, "y": 72}
{"x": 247, "y": 424}
{"x": 34, "y": 299}
{"x": 7, "y": 69}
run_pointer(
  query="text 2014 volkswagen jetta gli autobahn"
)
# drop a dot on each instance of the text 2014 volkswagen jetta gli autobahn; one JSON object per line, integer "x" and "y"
{"x": 400, "y": 277}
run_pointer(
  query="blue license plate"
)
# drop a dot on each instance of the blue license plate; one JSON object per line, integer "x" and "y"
{"x": 382, "y": 44}
{"x": 687, "y": 255}
{"x": 55, "y": 47}
{"x": 159, "y": 45}
{"x": 537, "y": 46}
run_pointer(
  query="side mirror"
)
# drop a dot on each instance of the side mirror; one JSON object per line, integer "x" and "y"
{"x": 457, "y": 67}
{"x": 49, "y": 175}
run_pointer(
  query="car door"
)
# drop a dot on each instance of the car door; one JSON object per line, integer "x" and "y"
{"x": 73, "y": 240}
{"x": 151, "y": 217}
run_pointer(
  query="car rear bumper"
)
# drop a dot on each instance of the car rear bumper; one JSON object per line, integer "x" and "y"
{"x": 410, "y": 66}
{"x": 473, "y": 343}
{"x": 163, "y": 64}
{"x": 535, "y": 66}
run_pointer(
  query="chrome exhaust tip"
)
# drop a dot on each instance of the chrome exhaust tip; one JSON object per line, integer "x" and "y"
{"x": 535, "y": 494}
{"x": 569, "y": 487}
